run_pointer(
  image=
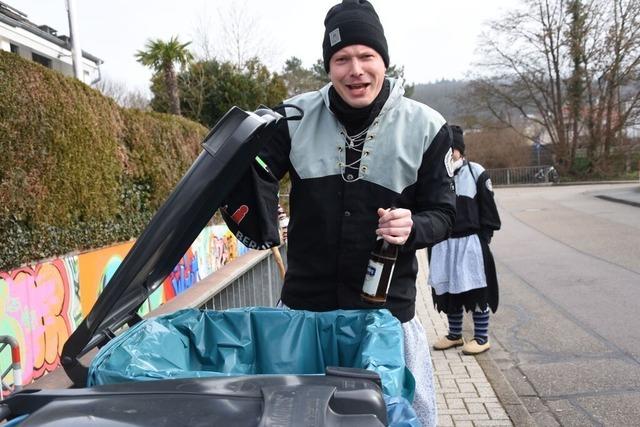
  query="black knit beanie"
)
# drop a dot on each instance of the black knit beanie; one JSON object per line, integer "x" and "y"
{"x": 353, "y": 22}
{"x": 458, "y": 140}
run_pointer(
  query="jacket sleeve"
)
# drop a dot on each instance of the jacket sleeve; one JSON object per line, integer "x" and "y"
{"x": 275, "y": 152}
{"x": 250, "y": 209}
{"x": 435, "y": 204}
{"x": 489, "y": 217}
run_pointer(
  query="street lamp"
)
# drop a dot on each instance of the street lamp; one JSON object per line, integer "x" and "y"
{"x": 75, "y": 40}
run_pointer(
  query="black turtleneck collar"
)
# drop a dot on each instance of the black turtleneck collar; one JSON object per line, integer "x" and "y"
{"x": 357, "y": 119}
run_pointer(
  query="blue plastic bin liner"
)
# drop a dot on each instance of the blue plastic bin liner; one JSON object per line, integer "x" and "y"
{"x": 195, "y": 343}
{"x": 400, "y": 413}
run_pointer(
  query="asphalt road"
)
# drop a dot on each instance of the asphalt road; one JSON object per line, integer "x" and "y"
{"x": 567, "y": 332}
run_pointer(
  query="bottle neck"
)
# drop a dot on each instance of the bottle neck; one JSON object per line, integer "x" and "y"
{"x": 386, "y": 250}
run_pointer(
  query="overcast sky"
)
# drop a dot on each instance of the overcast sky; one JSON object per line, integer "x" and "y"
{"x": 432, "y": 39}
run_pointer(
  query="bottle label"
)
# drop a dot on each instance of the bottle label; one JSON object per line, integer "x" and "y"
{"x": 372, "y": 278}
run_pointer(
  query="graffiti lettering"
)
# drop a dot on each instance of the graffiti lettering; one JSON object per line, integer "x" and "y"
{"x": 41, "y": 305}
{"x": 42, "y": 295}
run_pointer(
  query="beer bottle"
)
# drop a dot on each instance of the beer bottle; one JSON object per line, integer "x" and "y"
{"x": 379, "y": 272}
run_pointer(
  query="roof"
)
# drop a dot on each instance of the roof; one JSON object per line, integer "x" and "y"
{"x": 18, "y": 19}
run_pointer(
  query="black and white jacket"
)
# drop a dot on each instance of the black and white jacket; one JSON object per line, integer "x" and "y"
{"x": 333, "y": 213}
{"x": 475, "y": 205}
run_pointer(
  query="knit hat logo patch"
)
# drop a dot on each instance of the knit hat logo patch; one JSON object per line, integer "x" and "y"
{"x": 334, "y": 37}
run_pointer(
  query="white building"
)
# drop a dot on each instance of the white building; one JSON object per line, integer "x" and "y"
{"x": 42, "y": 44}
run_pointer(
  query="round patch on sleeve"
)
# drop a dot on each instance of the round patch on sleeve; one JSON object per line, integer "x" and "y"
{"x": 448, "y": 163}
{"x": 489, "y": 185}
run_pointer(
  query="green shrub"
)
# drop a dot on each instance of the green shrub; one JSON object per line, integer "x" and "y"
{"x": 160, "y": 148}
{"x": 76, "y": 170}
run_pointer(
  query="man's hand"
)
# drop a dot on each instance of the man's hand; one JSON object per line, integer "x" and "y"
{"x": 394, "y": 225}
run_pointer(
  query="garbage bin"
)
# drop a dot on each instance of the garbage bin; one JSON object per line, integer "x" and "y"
{"x": 249, "y": 341}
{"x": 262, "y": 341}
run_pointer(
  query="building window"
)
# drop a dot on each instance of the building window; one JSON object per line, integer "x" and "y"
{"x": 14, "y": 48}
{"x": 42, "y": 60}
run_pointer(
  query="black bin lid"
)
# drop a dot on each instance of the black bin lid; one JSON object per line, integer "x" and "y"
{"x": 229, "y": 149}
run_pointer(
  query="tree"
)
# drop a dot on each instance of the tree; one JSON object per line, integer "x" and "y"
{"x": 208, "y": 89}
{"x": 236, "y": 33}
{"x": 299, "y": 79}
{"x": 397, "y": 72}
{"x": 162, "y": 57}
{"x": 119, "y": 92}
{"x": 611, "y": 62}
{"x": 319, "y": 73}
{"x": 449, "y": 98}
{"x": 568, "y": 67}
{"x": 498, "y": 148}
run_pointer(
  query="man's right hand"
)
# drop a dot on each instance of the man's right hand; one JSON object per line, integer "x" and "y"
{"x": 394, "y": 225}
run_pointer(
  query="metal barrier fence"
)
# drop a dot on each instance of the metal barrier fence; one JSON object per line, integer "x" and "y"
{"x": 258, "y": 286}
{"x": 523, "y": 175}
{"x": 542, "y": 174}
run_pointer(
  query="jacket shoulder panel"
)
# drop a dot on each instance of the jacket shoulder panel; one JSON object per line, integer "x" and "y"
{"x": 316, "y": 139}
{"x": 466, "y": 182}
{"x": 398, "y": 144}
{"x": 478, "y": 169}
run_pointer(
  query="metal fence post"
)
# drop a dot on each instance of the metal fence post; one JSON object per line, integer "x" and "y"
{"x": 15, "y": 363}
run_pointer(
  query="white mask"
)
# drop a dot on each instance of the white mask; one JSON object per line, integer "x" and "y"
{"x": 458, "y": 164}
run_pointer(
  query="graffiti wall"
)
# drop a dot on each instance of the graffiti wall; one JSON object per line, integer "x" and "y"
{"x": 41, "y": 304}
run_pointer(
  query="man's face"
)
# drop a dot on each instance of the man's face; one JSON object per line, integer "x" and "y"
{"x": 357, "y": 74}
{"x": 456, "y": 154}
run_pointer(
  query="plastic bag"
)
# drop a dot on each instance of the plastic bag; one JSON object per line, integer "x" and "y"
{"x": 194, "y": 343}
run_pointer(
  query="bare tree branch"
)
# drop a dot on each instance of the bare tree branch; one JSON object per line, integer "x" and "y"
{"x": 571, "y": 67}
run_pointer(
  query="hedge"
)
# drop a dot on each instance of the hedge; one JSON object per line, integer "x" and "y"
{"x": 76, "y": 170}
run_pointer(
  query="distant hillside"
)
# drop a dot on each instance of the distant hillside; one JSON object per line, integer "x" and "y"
{"x": 441, "y": 96}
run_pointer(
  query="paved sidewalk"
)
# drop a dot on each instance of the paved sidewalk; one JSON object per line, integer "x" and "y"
{"x": 463, "y": 393}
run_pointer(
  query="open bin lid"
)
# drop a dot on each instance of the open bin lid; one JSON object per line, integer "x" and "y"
{"x": 229, "y": 149}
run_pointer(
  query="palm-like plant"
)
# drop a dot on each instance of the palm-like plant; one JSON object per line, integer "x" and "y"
{"x": 162, "y": 57}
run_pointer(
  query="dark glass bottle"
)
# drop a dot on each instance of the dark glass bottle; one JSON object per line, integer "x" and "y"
{"x": 379, "y": 272}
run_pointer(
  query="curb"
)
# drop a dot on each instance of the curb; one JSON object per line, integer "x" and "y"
{"x": 510, "y": 400}
{"x": 618, "y": 200}
{"x": 452, "y": 402}
{"x": 565, "y": 184}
